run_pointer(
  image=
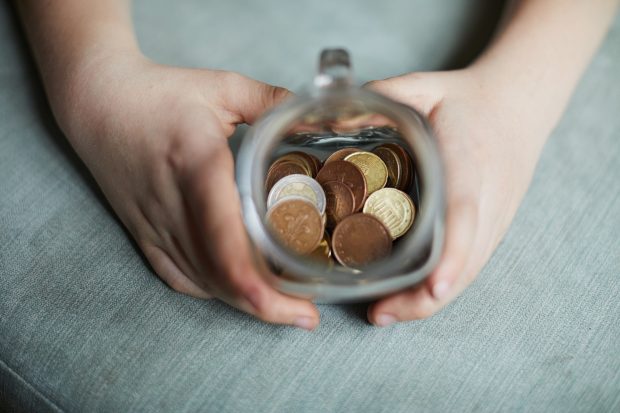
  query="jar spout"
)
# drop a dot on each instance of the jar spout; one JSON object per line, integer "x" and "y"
{"x": 334, "y": 69}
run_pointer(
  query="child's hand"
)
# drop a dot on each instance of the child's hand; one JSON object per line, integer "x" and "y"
{"x": 492, "y": 120}
{"x": 155, "y": 138}
{"x": 486, "y": 138}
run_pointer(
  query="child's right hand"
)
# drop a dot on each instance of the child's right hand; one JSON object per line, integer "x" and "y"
{"x": 155, "y": 139}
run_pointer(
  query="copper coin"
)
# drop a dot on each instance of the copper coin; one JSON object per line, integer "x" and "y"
{"x": 299, "y": 159}
{"x": 348, "y": 174}
{"x": 316, "y": 162}
{"x": 359, "y": 240}
{"x": 279, "y": 170}
{"x": 340, "y": 154}
{"x": 310, "y": 161}
{"x": 406, "y": 163}
{"x": 297, "y": 224}
{"x": 392, "y": 161}
{"x": 339, "y": 202}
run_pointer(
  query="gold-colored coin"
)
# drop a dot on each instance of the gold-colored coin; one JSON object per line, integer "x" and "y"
{"x": 393, "y": 208}
{"x": 374, "y": 169}
{"x": 323, "y": 252}
{"x": 393, "y": 163}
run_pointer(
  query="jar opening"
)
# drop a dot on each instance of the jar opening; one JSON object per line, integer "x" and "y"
{"x": 320, "y": 125}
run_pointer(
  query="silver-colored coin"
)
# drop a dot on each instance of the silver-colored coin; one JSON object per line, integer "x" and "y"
{"x": 298, "y": 185}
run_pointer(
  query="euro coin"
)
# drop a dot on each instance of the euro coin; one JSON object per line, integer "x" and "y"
{"x": 393, "y": 208}
{"x": 297, "y": 224}
{"x": 373, "y": 168}
{"x": 298, "y": 185}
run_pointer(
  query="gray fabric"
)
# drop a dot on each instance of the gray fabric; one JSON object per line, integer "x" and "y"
{"x": 86, "y": 326}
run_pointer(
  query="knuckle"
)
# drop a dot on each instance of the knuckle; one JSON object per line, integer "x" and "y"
{"x": 234, "y": 272}
{"x": 255, "y": 295}
{"x": 265, "y": 313}
{"x": 246, "y": 291}
{"x": 175, "y": 154}
{"x": 261, "y": 307}
{"x": 185, "y": 159}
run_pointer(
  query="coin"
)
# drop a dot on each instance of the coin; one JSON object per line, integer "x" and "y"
{"x": 316, "y": 162}
{"x": 298, "y": 185}
{"x": 348, "y": 174}
{"x": 392, "y": 161}
{"x": 359, "y": 240}
{"x": 373, "y": 168}
{"x": 297, "y": 224}
{"x": 300, "y": 159}
{"x": 312, "y": 162}
{"x": 340, "y": 202}
{"x": 323, "y": 252}
{"x": 340, "y": 154}
{"x": 406, "y": 163}
{"x": 279, "y": 170}
{"x": 393, "y": 208}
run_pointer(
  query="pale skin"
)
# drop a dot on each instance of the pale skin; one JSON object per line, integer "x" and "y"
{"x": 155, "y": 139}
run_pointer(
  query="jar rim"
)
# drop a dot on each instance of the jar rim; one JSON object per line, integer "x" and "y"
{"x": 261, "y": 139}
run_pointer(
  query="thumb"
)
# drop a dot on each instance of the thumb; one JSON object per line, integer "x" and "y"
{"x": 421, "y": 90}
{"x": 248, "y": 99}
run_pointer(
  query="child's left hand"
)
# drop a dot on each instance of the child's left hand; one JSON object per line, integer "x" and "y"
{"x": 490, "y": 145}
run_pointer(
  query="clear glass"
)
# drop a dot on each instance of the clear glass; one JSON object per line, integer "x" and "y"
{"x": 332, "y": 115}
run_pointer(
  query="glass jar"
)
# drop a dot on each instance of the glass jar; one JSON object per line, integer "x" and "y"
{"x": 333, "y": 114}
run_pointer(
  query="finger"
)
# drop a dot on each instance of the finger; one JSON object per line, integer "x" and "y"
{"x": 248, "y": 99}
{"x": 422, "y": 91}
{"x": 446, "y": 281}
{"x": 171, "y": 274}
{"x": 412, "y": 304}
{"x": 220, "y": 235}
{"x": 461, "y": 224}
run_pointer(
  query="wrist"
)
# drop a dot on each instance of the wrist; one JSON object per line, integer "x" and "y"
{"x": 90, "y": 81}
{"x": 523, "y": 94}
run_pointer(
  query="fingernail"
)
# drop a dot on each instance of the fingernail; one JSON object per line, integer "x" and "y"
{"x": 304, "y": 322}
{"x": 384, "y": 320}
{"x": 440, "y": 290}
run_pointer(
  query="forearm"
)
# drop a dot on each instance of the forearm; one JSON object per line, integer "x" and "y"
{"x": 68, "y": 36}
{"x": 543, "y": 49}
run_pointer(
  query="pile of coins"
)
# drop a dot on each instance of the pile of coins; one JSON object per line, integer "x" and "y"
{"x": 350, "y": 207}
